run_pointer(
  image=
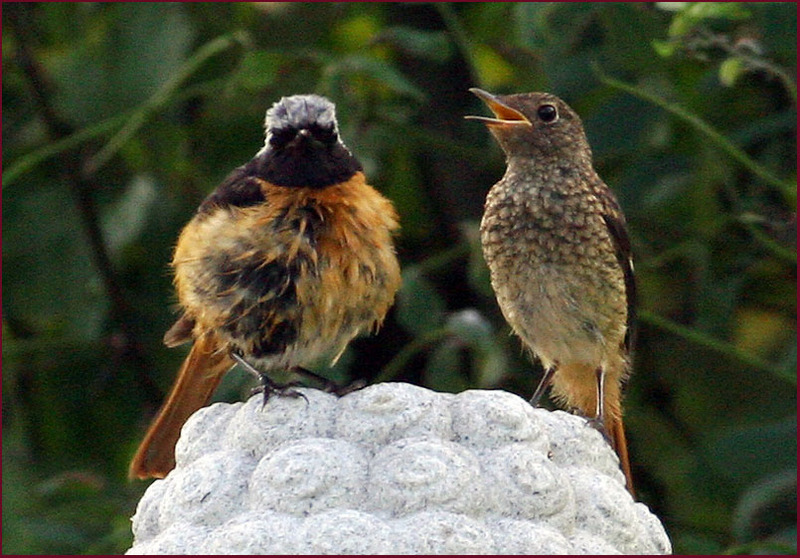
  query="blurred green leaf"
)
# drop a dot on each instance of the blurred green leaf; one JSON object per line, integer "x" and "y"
{"x": 357, "y": 65}
{"x": 530, "y": 23}
{"x": 472, "y": 328}
{"x": 420, "y": 308}
{"x": 428, "y": 45}
{"x": 477, "y": 334}
{"x": 357, "y": 31}
{"x": 443, "y": 369}
{"x": 43, "y": 238}
{"x": 258, "y": 69}
{"x": 119, "y": 68}
{"x": 126, "y": 219}
{"x": 665, "y": 49}
{"x": 403, "y": 185}
{"x": 730, "y": 70}
{"x": 692, "y": 13}
{"x": 493, "y": 70}
{"x": 477, "y": 270}
{"x": 767, "y": 507}
{"x": 160, "y": 97}
{"x": 752, "y": 452}
{"x": 702, "y": 127}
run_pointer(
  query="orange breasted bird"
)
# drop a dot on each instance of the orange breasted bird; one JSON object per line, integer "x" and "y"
{"x": 555, "y": 240}
{"x": 288, "y": 260}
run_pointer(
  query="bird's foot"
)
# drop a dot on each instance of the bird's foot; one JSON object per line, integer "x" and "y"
{"x": 599, "y": 424}
{"x": 544, "y": 383}
{"x": 349, "y": 388}
{"x": 330, "y": 386}
{"x": 269, "y": 388}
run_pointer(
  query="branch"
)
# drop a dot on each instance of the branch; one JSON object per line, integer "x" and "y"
{"x": 21, "y": 22}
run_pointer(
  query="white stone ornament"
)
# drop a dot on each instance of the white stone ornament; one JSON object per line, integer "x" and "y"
{"x": 392, "y": 469}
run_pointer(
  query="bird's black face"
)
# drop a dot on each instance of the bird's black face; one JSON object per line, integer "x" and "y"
{"x": 301, "y": 120}
{"x": 303, "y": 147}
{"x": 313, "y": 135}
{"x": 532, "y": 124}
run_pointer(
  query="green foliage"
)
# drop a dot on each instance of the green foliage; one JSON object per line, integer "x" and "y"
{"x": 120, "y": 117}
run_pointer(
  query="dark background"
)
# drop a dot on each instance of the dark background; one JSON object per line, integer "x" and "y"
{"x": 119, "y": 118}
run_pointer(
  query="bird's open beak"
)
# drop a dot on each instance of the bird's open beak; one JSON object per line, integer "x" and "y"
{"x": 504, "y": 114}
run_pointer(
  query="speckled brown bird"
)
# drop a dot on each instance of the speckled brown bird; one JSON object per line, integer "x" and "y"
{"x": 288, "y": 260}
{"x": 556, "y": 243}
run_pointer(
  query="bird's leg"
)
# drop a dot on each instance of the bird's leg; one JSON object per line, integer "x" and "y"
{"x": 600, "y": 374}
{"x": 330, "y": 386}
{"x": 327, "y": 384}
{"x": 598, "y": 422}
{"x": 543, "y": 384}
{"x": 267, "y": 386}
{"x": 351, "y": 387}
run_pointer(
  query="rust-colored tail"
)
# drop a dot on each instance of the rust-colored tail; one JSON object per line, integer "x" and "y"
{"x": 199, "y": 375}
{"x": 616, "y": 430}
{"x": 576, "y": 386}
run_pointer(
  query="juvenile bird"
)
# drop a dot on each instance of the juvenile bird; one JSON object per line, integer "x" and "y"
{"x": 284, "y": 263}
{"x": 555, "y": 240}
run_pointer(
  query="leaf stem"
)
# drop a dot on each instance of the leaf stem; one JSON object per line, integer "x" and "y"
{"x": 160, "y": 98}
{"x": 401, "y": 359}
{"x": 709, "y": 342}
{"x": 766, "y": 242}
{"x": 31, "y": 160}
{"x": 700, "y": 125}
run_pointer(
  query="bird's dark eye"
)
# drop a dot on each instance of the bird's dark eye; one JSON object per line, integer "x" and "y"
{"x": 547, "y": 113}
{"x": 281, "y": 137}
{"x": 324, "y": 134}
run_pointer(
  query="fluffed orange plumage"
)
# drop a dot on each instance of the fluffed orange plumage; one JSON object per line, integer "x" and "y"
{"x": 283, "y": 264}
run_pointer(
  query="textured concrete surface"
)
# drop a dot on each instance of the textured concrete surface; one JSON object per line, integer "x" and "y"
{"x": 392, "y": 469}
